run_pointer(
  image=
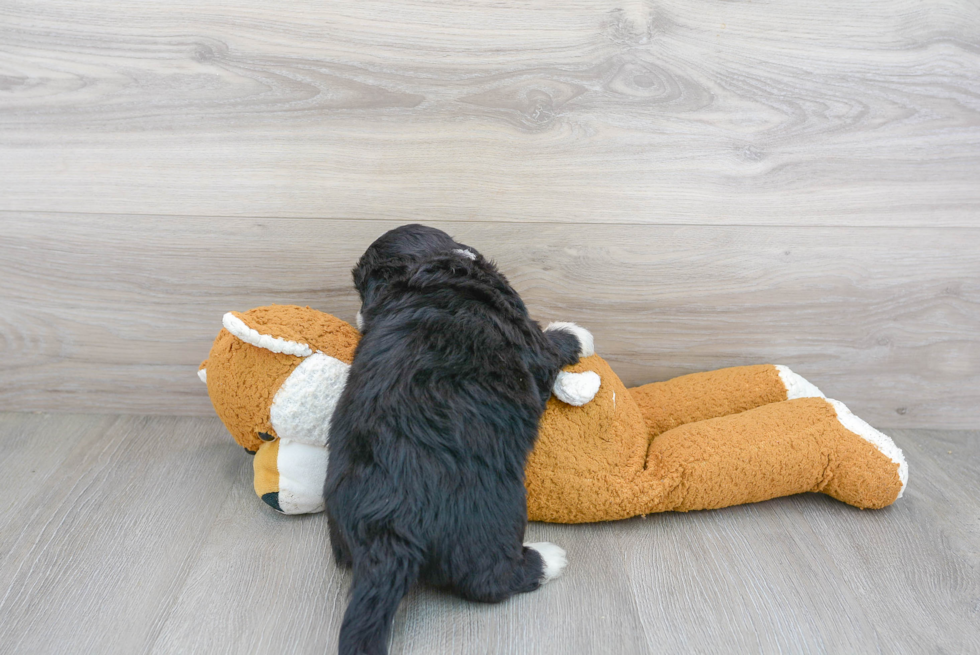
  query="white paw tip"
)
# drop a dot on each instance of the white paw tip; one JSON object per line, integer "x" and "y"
{"x": 469, "y": 254}
{"x": 359, "y": 320}
{"x": 203, "y": 374}
{"x": 553, "y": 558}
{"x": 585, "y": 340}
{"x": 576, "y": 389}
{"x": 797, "y": 386}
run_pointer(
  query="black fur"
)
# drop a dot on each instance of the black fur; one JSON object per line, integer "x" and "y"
{"x": 431, "y": 435}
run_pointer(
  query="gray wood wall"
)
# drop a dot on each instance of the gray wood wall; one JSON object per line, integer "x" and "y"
{"x": 702, "y": 184}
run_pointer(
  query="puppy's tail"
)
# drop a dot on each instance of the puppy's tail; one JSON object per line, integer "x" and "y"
{"x": 381, "y": 579}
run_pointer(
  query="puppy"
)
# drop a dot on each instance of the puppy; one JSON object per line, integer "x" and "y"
{"x": 431, "y": 435}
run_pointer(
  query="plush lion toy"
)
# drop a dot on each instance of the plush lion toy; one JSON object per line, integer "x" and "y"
{"x": 604, "y": 452}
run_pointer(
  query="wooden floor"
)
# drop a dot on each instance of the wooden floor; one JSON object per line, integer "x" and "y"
{"x": 126, "y": 534}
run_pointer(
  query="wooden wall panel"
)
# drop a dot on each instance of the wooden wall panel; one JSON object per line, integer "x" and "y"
{"x": 674, "y": 112}
{"x": 702, "y": 183}
{"x": 114, "y": 312}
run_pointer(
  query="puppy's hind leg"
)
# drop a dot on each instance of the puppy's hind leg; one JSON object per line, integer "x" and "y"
{"x": 553, "y": 559}
{"x": 538, "y": 564}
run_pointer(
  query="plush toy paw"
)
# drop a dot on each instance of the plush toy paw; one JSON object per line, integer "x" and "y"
{"x": 865, "y": 478}
{"x": 576, "y": 388}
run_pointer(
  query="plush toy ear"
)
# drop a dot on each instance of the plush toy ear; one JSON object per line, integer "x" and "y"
{"x": 293, "y": 330}
{"x": 202, "y": 371}
{"x": 238, "y": 328}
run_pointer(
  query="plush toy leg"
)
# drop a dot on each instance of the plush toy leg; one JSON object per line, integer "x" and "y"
{"x": 703, "y": 441}
{"x": 289, "y": 476}
{"x": 783, "y": 448}
{"x": 700, "y": 396}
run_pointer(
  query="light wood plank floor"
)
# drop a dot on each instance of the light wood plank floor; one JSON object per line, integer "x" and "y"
{"x": 127, "y": 534}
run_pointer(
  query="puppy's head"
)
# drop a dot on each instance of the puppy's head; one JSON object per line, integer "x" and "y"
{"x": 391, "y": 256}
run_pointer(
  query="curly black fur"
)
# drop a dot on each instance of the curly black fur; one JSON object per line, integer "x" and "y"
{"x": 431, "y": 435}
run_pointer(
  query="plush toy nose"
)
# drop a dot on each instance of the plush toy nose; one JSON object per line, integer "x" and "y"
{"x": 266, "y": 470}
{"x": 272, "y": 500}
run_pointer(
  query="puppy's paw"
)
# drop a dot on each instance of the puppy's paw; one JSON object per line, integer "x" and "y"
{"x": 552, "y": 556}
{"x": 585, "y": 340}
{"x": 576, "y": 389}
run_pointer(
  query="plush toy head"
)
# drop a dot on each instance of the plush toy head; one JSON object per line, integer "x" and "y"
{"x": 274, "y": 376}
{"x": 277, "y": 371}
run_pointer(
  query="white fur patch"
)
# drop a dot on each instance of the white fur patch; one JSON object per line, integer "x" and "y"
{"x": 203, "y": 374}
{"x": 302, "y": 472}
{"x": 360, "y": 321}
{"x": 797, "y": 386}
{"x": 304, "y": 404}
{"x": 577, "y": 388}
{"x": 554, "y": 559}
{"x": 877, "y": 439}
{"x": 585, "y": 340}
{"x": 465, "y": 253}
{"x": 237, "y": 327}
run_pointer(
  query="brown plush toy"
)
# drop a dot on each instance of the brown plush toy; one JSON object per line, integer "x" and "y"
{"x": 604, "y": 452}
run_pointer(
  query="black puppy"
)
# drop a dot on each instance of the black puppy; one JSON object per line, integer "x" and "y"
{"x": 431, "y": 435}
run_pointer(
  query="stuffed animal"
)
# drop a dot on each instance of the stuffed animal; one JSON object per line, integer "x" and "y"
{"x": 604, "y": 452}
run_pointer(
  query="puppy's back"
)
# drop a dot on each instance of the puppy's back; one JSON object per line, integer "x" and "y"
{"x": 430, "y": 438}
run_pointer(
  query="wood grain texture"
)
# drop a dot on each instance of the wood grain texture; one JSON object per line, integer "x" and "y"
{"x": 104, "y": 533}
{"x": 674, "y": 112}
{"x": 811, "y": 561}
{"x": 102, "y": 313}
{"x": 923, "y": 593}
{"x": 142, "y": 535}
